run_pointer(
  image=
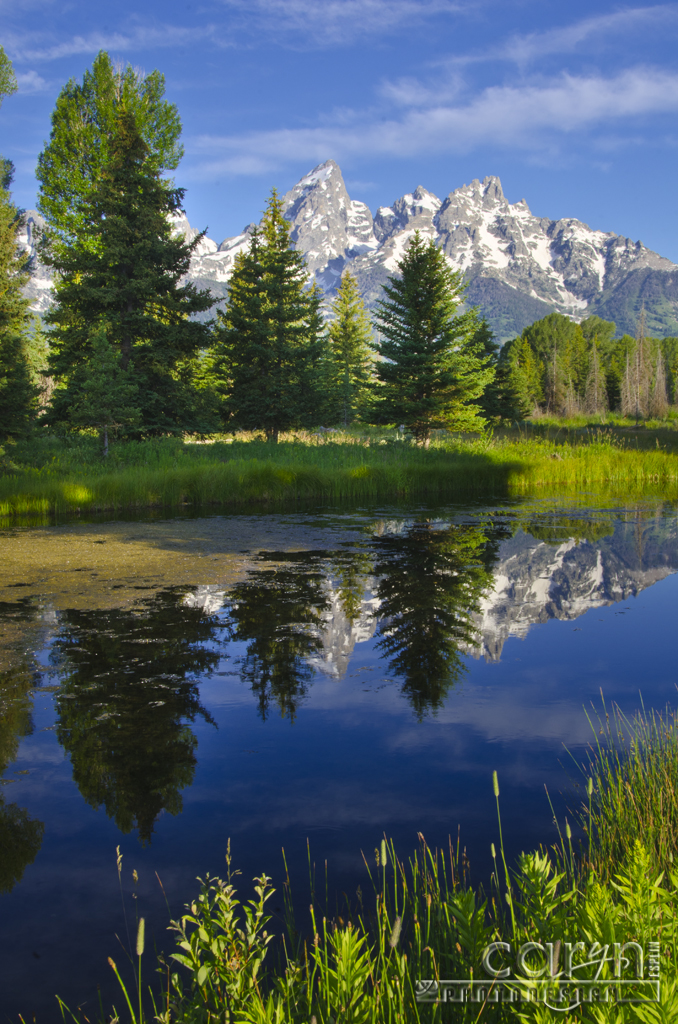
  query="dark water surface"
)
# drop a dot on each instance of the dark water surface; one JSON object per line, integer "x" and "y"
{"x": 325, "y": 677}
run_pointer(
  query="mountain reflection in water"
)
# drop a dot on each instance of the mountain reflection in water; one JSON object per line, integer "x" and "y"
{"x": 431, "y": 593}
{"x": 370, "y": 684}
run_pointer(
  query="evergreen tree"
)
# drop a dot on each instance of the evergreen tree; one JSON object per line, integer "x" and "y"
{"x": 525, "y": 375}
{"x": 124, "y": 270}
{"x": 107, "y": 393}
{"x": 349, "y": 355}
{"x": 269, "y": 341}
{"x": 18, "y": 391}
{"x": 84, "y": 127}
{"x": 432, "y": 370}
{"x": 499, "y": 400}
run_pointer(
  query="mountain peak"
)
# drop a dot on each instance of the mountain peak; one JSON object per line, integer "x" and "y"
{"x": 322, "y": 173}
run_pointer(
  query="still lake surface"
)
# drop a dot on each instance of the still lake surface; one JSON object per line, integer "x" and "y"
{"x": 305, "y": 681}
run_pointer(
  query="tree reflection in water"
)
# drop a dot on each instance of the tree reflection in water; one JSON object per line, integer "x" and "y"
{"x": 129, "y": 687}
{"x": 431, "y": 578}
{"x": 278, "y": 613}
{"x": 20, "y": 835}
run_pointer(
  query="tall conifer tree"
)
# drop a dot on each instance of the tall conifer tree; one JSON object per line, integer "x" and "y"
{"x": 349, "y": 355}
{"x": 432, "y": 370}
{"x": 269, "y": 337}
{"x": 107, "y": 397}
{"x": 124, "y": 270}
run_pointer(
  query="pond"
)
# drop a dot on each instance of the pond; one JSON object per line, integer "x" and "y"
{"x": 305, "y": 682}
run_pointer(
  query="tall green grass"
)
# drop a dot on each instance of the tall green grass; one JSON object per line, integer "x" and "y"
{"x": 633, "y": 773}
{"x": 349, "y": 467}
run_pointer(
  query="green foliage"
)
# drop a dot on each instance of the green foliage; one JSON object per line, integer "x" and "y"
{"x": 84, "y": 127}
{"x": 268, "y": 344}
{"x": 432, "y": 369}
{"x": 123, "y": 270}
{"x": 524, "y": 373}
{"x": 18, "y": 391}
{"x": 8, "y": 84}
{"x": 499, "y": 401}
{"x": 634, "y": 770}
{"x": 349, "y": 356}
{"x": 107, "y": 391}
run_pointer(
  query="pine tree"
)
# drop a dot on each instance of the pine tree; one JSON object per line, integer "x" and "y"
{"x": 268, "y": 346}
{"x": 18, "y": 391}
{"x": 525, "y": 375}
{"x": 349, "y": 353}
{"x": 107, "y": 394}
{"x": 431, "y": 371}
{"x": 124, "y": 270}
{"x": 499, "y": 400}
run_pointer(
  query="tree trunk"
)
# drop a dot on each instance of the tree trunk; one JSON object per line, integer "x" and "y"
{"x": 106, "y": 441}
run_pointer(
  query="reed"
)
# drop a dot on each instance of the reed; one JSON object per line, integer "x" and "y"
{"x": 632, "y": 789}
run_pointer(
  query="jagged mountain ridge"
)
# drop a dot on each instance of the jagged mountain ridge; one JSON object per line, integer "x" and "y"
{"x": 534, "y": 581}
{"x": 519, "y": 267}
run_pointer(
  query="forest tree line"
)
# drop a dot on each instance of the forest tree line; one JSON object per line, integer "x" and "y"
{"x": 129, "y": 346}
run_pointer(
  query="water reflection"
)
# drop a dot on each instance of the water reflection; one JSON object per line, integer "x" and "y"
{"x": 20, "y": 835}
{"x": 129, "y": 688}
{"x": 278, "y": 613}
{"x": 431, "y": 580}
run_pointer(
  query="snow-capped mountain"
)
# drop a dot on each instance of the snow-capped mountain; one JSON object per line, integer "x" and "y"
{"x": 519, "y": 267}
{"x": 536, "y": 581}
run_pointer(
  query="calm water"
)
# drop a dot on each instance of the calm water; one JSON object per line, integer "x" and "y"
{"x": 321, "y": 677}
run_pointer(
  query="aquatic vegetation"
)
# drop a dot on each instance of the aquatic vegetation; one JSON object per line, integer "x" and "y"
{"x": 632, "y": 776}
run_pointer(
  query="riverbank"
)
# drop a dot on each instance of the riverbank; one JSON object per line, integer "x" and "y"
{"x": 68, "y": 475}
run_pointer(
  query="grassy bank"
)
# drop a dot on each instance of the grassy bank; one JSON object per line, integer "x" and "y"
{"x": 53, "y": 475}
{"x": 424, "y": 922}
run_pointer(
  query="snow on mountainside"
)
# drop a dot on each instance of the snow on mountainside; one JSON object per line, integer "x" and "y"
{"x": 519, "y": 267}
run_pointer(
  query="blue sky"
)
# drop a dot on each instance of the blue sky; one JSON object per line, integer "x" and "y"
{"x": 573, "y": 105}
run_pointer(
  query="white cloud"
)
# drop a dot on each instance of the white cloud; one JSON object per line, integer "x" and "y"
{"x": 523, "y": 49}
{"x": 31, "y": 81}
{"x": 331, "y": 22}
{"x": 530, "y": 116}
{"x": 33, "y": 47}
